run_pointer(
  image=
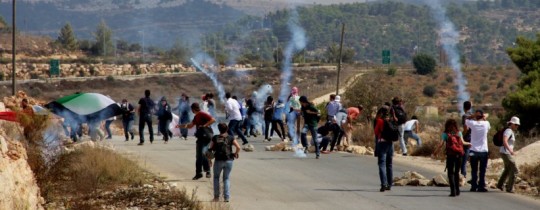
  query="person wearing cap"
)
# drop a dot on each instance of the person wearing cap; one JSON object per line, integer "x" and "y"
{"x": 479, "y": 150}
{"x": 507, "y": 151}
{"x": 164, "y": 118}
{"x": 311, "y": 119}
{"x": 128, "y": 118}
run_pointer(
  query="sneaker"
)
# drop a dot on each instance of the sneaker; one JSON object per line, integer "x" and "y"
{"x": 126, "y": 140}
{"x": 208, "y": 175}
{"x": 326, "y": 152}
{"x": 383, "y": 188}
{"x": 404, "y": 154}
{"x": 387, "y": 188}
{"x": 473, "y": 190}
{"x": 245, "y": 143}
{"x": 317, "y": 157}
{"x": 215, "y": 200}
{"x": 226, "y": 200}
{"x": 452, "y": 195}
{"x": 198, "y": 176}
{"x": 140, "y": 144}
{"x": 500, "y": 188}
{"x": 510, "y": 191}
{"x": 305, "y": 150}
{"x": 132, "y": 136}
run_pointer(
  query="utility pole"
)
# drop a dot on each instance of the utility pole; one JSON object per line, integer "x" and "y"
{"x": 340, "y": 56}
{"x": 13, "y": 31}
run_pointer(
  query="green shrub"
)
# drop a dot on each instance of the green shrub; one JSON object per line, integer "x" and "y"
{"x": 110, "y": 78}
{"x": 484, "y": 87}
{"x": 429, "y": 90}
{"x": 424, "y": 64}
{"x": 391, "y": 71}
{"x": 449, "y": 78}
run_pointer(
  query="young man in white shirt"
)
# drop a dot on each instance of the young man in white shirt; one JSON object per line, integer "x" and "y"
{"x": 410, "y": 131}
{"x": 507, "y": 151}
{"x": 479, "y": 150}
{"x": 232, "y": 109}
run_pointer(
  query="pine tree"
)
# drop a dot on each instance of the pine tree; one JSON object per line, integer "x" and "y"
{"x": 103, "y": 36}
{"x": 67, "y": 39}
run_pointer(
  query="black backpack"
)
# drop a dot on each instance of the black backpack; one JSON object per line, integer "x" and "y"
{"x": 498, "y": 137}
{"x": 204, "y": 135}
{"x": 223, "y": 147}
{"x": 390, "y": 131}
{"x": 400, "y": 115}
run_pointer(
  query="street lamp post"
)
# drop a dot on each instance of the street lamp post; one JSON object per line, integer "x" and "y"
{"x": 13, "y": 31}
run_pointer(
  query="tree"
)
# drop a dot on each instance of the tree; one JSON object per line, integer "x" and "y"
{"x": 524, "y": 101}
{"x": 67, "y": 39}
{"x": 332, "y": 54}
{"x": 104, "y": 45}
{"x": 424, "y": 64}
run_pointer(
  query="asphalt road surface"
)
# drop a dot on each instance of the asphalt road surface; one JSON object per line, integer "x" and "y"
{"x": 278, "y": 180}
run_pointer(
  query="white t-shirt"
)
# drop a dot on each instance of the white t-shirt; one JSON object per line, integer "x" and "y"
{"x": 511, "y": 139}
{"x": 410, "y": 125}
{"x": 233, "y": 109}
{"x": 479, "y": 131}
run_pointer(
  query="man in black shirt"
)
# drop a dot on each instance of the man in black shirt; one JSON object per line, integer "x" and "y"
{"x": 146, "y": 107}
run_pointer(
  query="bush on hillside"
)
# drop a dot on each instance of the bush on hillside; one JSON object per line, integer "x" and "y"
{"x": 424, "y": 64}
{"x": 429, "y": 90}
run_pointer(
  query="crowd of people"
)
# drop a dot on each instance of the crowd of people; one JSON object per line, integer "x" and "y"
{"x": 216, "y": 139}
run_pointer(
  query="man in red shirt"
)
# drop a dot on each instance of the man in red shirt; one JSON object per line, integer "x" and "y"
{"x": 352, "y": 114}
{"x": 201, "y": 119}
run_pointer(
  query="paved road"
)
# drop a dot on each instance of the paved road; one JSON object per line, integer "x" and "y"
{"x": 277, "y": 180}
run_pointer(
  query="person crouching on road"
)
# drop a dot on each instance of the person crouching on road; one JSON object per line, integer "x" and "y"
{"x": 507, "y": 151}
{"x": 201, "y": 119}
{"x": 453, "y": 138}
{"x": 221, "y": 149}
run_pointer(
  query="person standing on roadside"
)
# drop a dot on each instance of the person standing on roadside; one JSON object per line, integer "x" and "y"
{"x": 250, "y": 118}
{"x": 211, "y": 105}
{"x": 311, "y": 120}
{"x": 145, "y": 110}
{"x": 293, "y": 117}
{"x": 183, "y": 114}
{"x": 128, "y": 118}
{"x": 200, "y": 120}
{"x": 467, "y": 108}
{"x": 507, "y": 151}
{"x": 400, "y": 116}
{"x": 234, "y": 116}
{"x": 221, "y": 147}
{"x": 164, "y": 118}
{"x": 453, "y": 139}
{"x": 479, "y": 150}
{"x": 268, "y": 114}
{"x": 385, "y": 149}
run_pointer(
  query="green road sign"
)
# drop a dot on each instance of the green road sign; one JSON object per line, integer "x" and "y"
{"x": 54, "y": 68}
{"x": 386, "y": 57}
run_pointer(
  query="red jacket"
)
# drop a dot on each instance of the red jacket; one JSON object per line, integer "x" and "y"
{"x": 379, "y": 125}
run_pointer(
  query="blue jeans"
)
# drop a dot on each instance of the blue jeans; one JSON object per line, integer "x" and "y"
{"x": 234, "y": 127}
{"x": 291, "y": 125}
{"x": 108, "y": 128}
{"x": 313, "y": 132}
{"x": 402, "y": 144}
{"x": 478, "y": 180}
{"x": 201, "y": 162}
{"x": 412, "y": 135}
{"x": 226, "y": 167}
{"x": 464, "y": 162}
{"x": 128, "y": 125}
{"x": 384, "y": 159}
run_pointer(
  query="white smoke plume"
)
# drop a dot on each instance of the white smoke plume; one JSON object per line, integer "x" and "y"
{"x": 296, "y": 44}
{"x": 449, "y": 38}
{"x": 210, "y": 74}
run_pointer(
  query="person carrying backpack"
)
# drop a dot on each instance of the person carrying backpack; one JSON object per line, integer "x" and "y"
{"x": 400, "y": 116}
{"x": 221, "y": 149}
{"x": 385, "y": 148}
{"x": 507, "y": 151}
{"x": 454, "y": 153}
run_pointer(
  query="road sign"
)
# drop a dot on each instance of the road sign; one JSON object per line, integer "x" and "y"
{"x": 54, "y": 68}
{"x": 386, "y": 57}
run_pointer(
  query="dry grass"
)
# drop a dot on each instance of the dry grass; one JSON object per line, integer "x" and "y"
{"x": 531, "y": 174}
{"x": 363, "y": 135}
{"x": 427, "y": 148}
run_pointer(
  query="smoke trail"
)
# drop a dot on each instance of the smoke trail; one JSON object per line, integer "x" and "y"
{"x": 449, "y": 39}
{"x": 213, "y": 77}
{"x": 297, "y": 43}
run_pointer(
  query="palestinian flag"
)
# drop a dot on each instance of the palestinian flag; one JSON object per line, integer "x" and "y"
{"x": 85, "y": 107}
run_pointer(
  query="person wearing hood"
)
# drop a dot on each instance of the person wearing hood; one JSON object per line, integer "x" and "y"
{"x": 293, "y": 115}
{"x": 277, "y": 119}
{"x": 164, "y": 117}
{"x": 183, "y": 114}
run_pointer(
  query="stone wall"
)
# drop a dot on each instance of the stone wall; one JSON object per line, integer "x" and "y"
{"x": 39, "y": 70}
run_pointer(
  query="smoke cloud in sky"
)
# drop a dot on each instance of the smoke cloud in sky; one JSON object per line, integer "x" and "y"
{"x": 449, "y": 38}
{"x": 296, "y": 44}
